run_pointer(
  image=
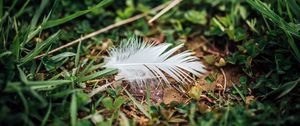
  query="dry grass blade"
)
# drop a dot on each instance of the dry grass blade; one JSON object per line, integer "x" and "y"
{"x": 225, "y": 81}
{"x": 129, "y": 20}
{"x": 169, "y": 7}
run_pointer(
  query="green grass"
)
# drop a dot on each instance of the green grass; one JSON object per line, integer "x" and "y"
{"x": 262, "y": 38}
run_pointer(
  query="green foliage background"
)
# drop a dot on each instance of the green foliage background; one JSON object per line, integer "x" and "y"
{"x": 263, "y": 39}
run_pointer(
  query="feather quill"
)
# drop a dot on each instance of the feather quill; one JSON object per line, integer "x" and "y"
{"x": 138, "y": 61}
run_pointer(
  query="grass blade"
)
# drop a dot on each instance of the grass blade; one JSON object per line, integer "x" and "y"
{"x": 288, "y": 87}
{"x": 47, "y": 115}
{"x": 90, "y": 68}
{"x": 16, "y": 47}
{"x": 5, "y": 53}
{"x": 48, "y": 83}
{"x": 124, "y": 119}
{"x": 21, "y": 11}
{"x": 23, "y": 99}
{"x": 273, "y": 17}
{"x": 73, "y": 110}
{"x": 283, "y": 89}
{"x": 77, "y": 55}
{"x": 280, "y": 22}
{"x": 64, "y": 93}
{"x": 101, "y": 73}
{"x": 38, "y": 13}
{"x": 138, "y": 105}
{"x": 294, "y": 47}
{"x": 294, "y": 7}
{"x": 42, "y": 100}
{"x": 239, "y": 92}
{"x": 39, "y": 48}
{"x": 33, "y": 84}
{"x": 53, "y": 23}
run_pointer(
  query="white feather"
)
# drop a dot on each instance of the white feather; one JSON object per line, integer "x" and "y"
{"x": 138, "y": 61}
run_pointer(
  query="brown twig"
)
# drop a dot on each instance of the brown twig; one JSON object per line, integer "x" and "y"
{"x": 129, "y": 20}
{"x": 163, "y": 11}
